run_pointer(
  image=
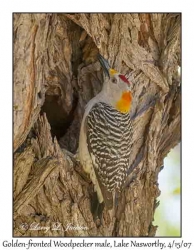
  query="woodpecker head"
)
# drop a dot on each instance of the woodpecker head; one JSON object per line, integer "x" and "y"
{"x": 116, "y": 88}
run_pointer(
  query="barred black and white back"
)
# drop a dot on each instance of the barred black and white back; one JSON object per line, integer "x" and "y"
{"x": 109, "y": 137}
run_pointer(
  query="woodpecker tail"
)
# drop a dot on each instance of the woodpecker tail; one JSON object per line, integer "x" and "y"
{"x": 97, "y": 209}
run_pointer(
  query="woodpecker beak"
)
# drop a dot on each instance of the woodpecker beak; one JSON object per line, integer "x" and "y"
{"x": 105, "y": 65}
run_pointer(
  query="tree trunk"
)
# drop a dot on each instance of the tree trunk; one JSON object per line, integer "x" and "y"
{"x": 55, "y": 74}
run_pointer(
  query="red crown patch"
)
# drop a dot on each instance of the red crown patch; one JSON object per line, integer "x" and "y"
{"x": 124, "y": 79}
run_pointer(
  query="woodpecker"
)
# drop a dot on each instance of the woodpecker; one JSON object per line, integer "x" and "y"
{"x": 106, "y": 135}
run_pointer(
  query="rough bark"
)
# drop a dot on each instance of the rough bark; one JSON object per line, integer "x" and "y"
{"x": 55, "y": 74}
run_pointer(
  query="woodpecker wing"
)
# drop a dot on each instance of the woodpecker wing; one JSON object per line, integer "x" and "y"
{"x": 109, "y": 143}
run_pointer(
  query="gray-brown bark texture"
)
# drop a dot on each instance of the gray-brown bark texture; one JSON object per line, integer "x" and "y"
{"x": 55, "y": 74}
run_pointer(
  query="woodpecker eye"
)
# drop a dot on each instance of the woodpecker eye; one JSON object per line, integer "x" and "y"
{"x": 114, "y": 80}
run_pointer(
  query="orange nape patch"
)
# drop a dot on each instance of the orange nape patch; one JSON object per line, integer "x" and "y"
{"x": 124, "y": 104}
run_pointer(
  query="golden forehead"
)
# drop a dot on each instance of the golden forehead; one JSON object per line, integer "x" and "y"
{"x": 112, "y": 71}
